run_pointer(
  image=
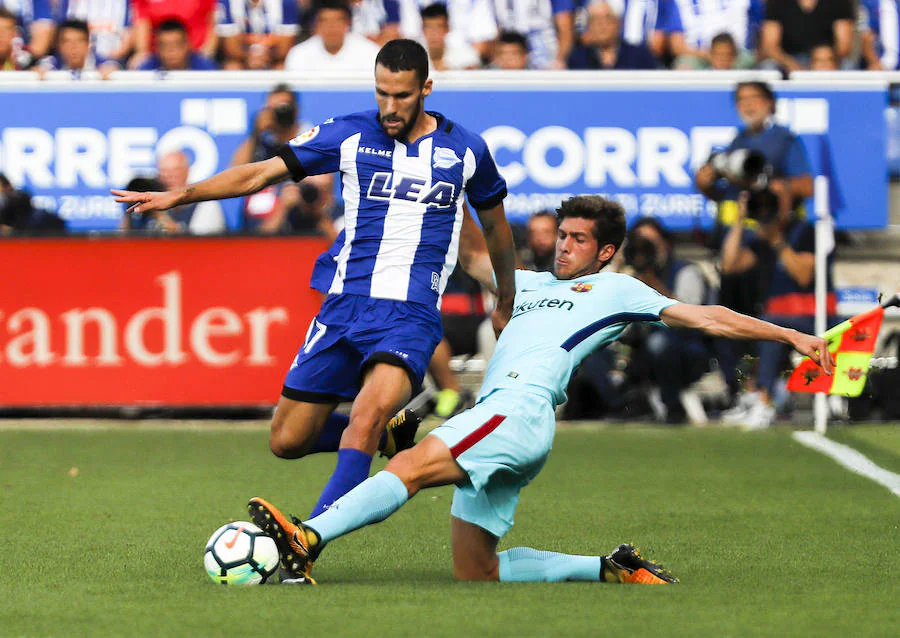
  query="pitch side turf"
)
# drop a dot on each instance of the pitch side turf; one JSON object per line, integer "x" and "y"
{"x": 768, "y": 537}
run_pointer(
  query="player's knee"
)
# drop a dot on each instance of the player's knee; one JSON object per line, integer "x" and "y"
{"x": 283, "y": 445}
{"x": 476, "y": 570}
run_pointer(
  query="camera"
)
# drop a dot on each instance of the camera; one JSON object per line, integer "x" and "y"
{"x": 640, "y": 253}
{"x": 749, "y": 170}
{"x": 285, "y": 115}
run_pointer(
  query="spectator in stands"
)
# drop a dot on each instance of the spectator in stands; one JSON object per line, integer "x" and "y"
{"x": 446, "y": 53}
{"x": 510, "y": 52}
{"x": 674, "y": 358}
{"x": 879, "y": 29}
{"x": 823, "y": 58}
{"x": 269, "y": 25}
{"x": 174, "y": 51}
{"x": 648, "y": 22}
{"x": 703, "y": 21}
{"x": 197, "y": 16}
{"x": 73, "y": 52}
{"x": 792, "y": 28}
{"x": 333, "y": 47}
{"x": 205, "y": 218}
{"x": 723, "y": 53}
{"x": 534, "y": 20}
{"x": 782, "y": 252}
{"x": 540, "y": 250}
{"x": 471, "y": 22}
{"x": 35, "y": 28}
{"x": 601, "y": 46}
{"x": 8, "y": 61}
{"x": 313, "y": 209}
{"x": 377, "y": 20}
{"x": 109, "y": 22}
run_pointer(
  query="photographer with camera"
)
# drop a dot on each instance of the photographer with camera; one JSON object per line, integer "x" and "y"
{"x": 673, "y": 359}
{"x": 277, "y": 208}
{"x": 768, "y": 161}
{"x": 782, "y": 253}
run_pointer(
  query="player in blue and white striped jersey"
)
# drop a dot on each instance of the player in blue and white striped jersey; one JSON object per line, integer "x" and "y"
{"x": 403, "y": 173}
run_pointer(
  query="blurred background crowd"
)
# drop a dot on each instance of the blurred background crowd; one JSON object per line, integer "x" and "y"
{"x": 325, "y": 35}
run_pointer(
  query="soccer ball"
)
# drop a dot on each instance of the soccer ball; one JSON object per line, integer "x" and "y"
{"x": 240, "y": 554}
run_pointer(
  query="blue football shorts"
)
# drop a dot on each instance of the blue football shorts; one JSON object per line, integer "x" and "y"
{"x": 501, "y": 443}
{"x": 349, "y": 335}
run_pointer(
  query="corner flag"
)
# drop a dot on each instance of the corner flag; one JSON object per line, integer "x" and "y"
{"x": 852, "y": 343}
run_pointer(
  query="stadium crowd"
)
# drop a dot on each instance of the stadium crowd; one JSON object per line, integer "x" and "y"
{"x": 326, "y": 35}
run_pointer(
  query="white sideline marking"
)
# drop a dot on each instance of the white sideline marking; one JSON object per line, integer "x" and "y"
{"x": 850, "y": 459}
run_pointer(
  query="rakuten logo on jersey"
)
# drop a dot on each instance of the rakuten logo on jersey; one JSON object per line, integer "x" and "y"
{"x": 217, "y": 336}
{"x": 390, "y": 186}
{"x": 559, "y": 157}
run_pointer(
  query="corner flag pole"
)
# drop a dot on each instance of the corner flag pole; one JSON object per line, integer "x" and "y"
{"x": 824, "y": 245}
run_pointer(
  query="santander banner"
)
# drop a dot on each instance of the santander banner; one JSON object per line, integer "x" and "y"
{"x": 185, "y": 322}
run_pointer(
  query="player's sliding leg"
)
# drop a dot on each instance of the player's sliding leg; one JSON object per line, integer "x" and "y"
{"x": 386, "y": 388}
{"x": 428, "y": 464}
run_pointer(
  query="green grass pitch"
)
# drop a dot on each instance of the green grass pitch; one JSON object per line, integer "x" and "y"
{"x": 768, "y": 538}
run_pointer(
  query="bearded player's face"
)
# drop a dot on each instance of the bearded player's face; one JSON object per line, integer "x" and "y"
{"x": 400, "y": 96}
{"x": 578, "y": 252}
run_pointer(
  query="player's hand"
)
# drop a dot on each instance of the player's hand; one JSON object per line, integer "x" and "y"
{"x": 501, "y": 316}
{"x": 145, "y": 203}
{"x": 816, "y": 348}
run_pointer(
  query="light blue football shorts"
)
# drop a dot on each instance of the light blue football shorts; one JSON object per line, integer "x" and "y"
{"x": 502, "y": 443}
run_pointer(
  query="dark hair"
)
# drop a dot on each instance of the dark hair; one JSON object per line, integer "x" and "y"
{"x": 6, "y": 14}
{"x": 653, "y": 222}
{"x": 724, "y": 38}
{"x": 404, "y": 55}
{"x": 145, "y": 185}
{"x": 4, "y": 181}
{"x": 513, "y": 37}
{"x": 436, "y": 10}
{"x": 335, "y": 5}
{"x": 608, "y": 217}
{"x": 544, "y": 213}
{"x": 168, "y": 26}
{"x": 283, "y": 87}
{"x": 77, "y": 25}
{"x": 762, "y": 87}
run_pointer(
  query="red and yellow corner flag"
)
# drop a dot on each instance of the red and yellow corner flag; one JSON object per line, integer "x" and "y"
{"x": 852, "y": 343}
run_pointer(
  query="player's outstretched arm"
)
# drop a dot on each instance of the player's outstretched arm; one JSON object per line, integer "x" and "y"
{"x": 236, "y": 181}
{"x": 498, "y": 236}
{"x": 473, "y": 252}
{"x": 719, "y": 321}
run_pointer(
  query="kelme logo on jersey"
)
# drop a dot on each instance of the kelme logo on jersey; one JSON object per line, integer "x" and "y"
{"x": 528, "y": 306}
{"x": 445, "y": 157}
{"x": 303, "y": 138}
{"x": 392, "y": 186}
{"x": 581, "y": 287}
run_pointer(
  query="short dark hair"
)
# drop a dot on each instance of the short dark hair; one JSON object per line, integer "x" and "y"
{"x": 171, "y": 25}
{"x": 513, "y": 37}
{"x": 145, "y": 185}
{"x": 436, "y": 10}
{"x": 404, "y": 55}
{"x": 608, "y": 217}
{"x": 544, "y": 213}
{"x": 335, "y": 5}
{"x": 654, "y": 223}
{"x": 284, "y": 87}
{"x": 77, "y": 25}
{"x": 724, "y": 38}
{"x": 763, "y": 87}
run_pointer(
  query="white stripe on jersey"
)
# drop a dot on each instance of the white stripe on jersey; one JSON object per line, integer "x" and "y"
{"x": 889, "y": 22}
{"x": 350, "y": 192}
{"x": 402, "y": 226}
{"x": 453, "y": 250}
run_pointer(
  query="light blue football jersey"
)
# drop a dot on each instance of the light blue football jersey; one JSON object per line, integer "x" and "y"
{"x": 403, "y": 203}
{"x": 556, "y": 323}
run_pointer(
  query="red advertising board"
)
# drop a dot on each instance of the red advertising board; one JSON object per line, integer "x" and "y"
{"x": 177, "y": 322}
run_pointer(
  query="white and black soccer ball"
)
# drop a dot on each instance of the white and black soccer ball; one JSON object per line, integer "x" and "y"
{"x": 240, "y": 554}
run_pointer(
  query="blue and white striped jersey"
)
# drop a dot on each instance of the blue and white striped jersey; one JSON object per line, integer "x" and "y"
{"x": 402, "y": 203}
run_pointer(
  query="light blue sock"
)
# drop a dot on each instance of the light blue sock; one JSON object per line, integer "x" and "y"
{"x": 526, "y": 565}
{"x": 371, "y": 501}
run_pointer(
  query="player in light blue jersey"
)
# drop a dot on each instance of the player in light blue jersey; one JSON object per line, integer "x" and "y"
{"x": 494, "y": 449}
{"x": 403, "y": 173}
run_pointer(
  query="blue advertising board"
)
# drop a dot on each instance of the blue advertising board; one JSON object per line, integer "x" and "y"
{"x": 638, "y": 144}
